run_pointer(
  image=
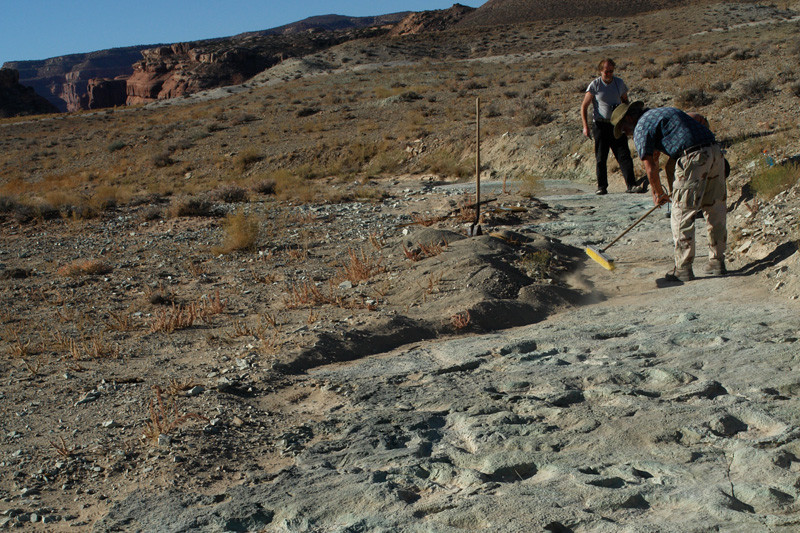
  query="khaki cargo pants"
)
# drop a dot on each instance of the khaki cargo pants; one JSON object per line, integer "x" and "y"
{"x": 699, "y": 186}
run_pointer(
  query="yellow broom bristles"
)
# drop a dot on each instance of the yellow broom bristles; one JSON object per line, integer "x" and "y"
{"x": 605, "y": 262}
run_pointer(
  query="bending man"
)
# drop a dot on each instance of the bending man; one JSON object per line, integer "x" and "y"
{"x": 699, "y": 184}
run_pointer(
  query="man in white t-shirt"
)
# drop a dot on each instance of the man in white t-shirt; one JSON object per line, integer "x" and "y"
{"x": 604, "y": 94}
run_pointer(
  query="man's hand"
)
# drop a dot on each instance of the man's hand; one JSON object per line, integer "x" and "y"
{"x": 660, "y": 197}
{"x": 651, "y": 167}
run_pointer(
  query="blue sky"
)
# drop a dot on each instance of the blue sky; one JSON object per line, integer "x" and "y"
{"x": 40, "y": 29}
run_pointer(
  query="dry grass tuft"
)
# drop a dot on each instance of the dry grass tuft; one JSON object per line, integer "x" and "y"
{"x": 241, "y": 233}
{"x": 184, "y": 316}
{"x": 85, "y": 267}
{"x": 306, "y": 294}
{"x": 192, "y": 207}
{"x": 769, "y": 181}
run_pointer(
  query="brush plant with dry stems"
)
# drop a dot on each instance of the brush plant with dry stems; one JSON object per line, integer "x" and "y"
{"x": 460, "y": 320}
{"x": 360, "y": 266}
{"x": 164, "y": 417}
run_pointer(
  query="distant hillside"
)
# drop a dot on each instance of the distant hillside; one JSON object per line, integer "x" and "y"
{"x": 66, "y": 81}
{"x": 500, "y": 12}
{"x": 329, "y": 23}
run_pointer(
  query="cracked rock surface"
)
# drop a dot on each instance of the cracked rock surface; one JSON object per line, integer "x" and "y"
{"x": 659, "y": 407}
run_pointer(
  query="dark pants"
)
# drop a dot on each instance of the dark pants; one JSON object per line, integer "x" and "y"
{"x": 603, "y": 133}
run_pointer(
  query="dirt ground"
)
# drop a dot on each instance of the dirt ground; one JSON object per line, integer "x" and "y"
{"x": 169, "y": 366}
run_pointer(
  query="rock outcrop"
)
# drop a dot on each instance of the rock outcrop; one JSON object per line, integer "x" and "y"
{"x": 184, "y": 68}
{"x": 427, "y": 21}
{"x": 17, "y": 99}
{"x": 103, "y": 93}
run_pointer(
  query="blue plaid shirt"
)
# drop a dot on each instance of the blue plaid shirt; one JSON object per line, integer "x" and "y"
{"x": 670, "y": 131}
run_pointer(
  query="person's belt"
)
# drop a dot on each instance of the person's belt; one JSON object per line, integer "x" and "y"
{"x": 603, "y": 120}
{"x": 696, "y": 147}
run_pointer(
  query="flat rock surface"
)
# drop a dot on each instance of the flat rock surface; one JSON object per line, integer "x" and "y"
{"x": 656, "y": 407}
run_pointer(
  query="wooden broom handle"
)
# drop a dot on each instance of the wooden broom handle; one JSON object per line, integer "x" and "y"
{"x": 630, "y": 227}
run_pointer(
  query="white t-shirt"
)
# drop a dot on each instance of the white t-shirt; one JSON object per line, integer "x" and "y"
{"x": 606, "y": 96}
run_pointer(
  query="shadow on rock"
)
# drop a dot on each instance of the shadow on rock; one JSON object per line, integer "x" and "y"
{"x": 781, "y": 253}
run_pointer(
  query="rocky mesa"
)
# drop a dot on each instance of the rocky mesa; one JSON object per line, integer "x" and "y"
{"x": 16, "y": 99}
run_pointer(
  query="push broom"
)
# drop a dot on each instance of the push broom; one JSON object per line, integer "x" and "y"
{"x": 600, "y": 256}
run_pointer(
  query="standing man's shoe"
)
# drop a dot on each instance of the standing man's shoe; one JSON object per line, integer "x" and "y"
{"x": 715, "y": 267}
{"x": 601, "y": 191}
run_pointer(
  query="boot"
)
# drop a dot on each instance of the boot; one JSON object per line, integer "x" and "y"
{"x": 680, "y": 274}
{"x": 715, "y": 267}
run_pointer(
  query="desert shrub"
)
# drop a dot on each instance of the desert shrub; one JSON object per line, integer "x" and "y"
{"x": 651, "y": 73}
{"x": 162, "y": 159}
{"x": 244, "y": 118}
{"x": 147, "y": 199}
{"x": 7, "y": 205}
{"x": 786, "y": 76}
{"x": 769, "y": 181}
{"x": 755, "y": 89}
{"x": 360, "y": 266}
{"x": 693, "y": 98}
{"x": 232, "y": 194}
{"x": 721, "y": 86}
{"x": 264, "y": 186}
{"x": 296, "y": 188}
{"x": 246, "y": 158}
{"x": 684, "y": 59}
{"x": 530, "y": 185}
{"x": 193, "y": 207}
{"x": 307, "y": 111}
{"x": 116, "y": 145}
{"x": 66, "y": 205}
{"x": 537, "y": 264}
{"x": 674, "y": 71}
{"x": 445, "y": 162}
{"x": 741, "y": 55}
{"x": 182, "y": 144}
{"x": 537, "y": 115}
{"x": 409, "y": 96}
{"x": 105, "y": 197}
{"x": 385, "y": 161}
{"x": 240, "y": 233}
{"x": 151, "y": 213}
{"x": 492, "y": 111}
